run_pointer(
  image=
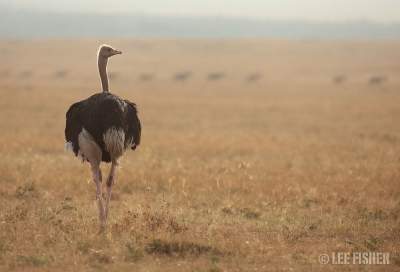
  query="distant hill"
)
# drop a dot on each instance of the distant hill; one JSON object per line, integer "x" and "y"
{"x": 30, "y": 24}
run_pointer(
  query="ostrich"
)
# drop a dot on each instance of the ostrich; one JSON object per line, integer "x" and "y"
{"x": 100, "y": 128}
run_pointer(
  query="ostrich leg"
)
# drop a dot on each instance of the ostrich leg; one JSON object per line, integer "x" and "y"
{"x": 110, "y": 182}
{"x": 99, "y": 197}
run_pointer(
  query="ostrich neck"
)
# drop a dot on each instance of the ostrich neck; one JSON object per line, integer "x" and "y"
{"x": 102, "y": 63}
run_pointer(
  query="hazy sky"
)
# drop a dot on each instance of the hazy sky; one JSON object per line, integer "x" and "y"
{"x": 321, "y": 10}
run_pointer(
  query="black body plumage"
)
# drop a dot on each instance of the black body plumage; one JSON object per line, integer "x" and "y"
{"x": 99, "y": 113}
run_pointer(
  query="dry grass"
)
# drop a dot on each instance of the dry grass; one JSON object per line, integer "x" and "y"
{"x": 230, "y": 176}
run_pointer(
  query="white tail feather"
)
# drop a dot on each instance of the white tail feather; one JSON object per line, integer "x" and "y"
{"x": 114, "y": 140}
{"x": 88, "y": 148}
{"x": 68, "y": 147}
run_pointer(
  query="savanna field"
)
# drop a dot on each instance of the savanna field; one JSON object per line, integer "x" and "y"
{"x": 256, "y": 155}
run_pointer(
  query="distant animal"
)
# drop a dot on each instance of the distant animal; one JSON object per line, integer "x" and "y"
{"x": 253, "y": 77}
{"x": 377, "y": 80}
{"x": 215, "y": 76}
{"x": 101, "y": 128}
{"x": 146, "y": 77}
{"x": 339, "y": 79}
{"x": 182, "y": 76}
{"x": 25, "y": 74}
{"x": 61, "y": 73}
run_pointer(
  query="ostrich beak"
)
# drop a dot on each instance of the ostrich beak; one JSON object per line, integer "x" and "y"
{"x": 117, "y": 52}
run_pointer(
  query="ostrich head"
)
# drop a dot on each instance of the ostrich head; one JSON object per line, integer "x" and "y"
{"x": 106, "y": 51}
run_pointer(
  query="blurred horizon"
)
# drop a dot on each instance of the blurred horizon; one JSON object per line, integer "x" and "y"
{"x": 377, "y": 11}
{"x": 43, "y": 19}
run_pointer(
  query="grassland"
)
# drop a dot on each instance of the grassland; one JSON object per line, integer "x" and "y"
{"x": 256, "y": 156}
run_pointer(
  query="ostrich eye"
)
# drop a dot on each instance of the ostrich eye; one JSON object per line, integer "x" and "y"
{"x": 109, "y": 49}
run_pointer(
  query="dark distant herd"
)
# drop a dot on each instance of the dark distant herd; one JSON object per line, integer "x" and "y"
{"x": 373, "y": 80}
{"x": 183, "y": 76}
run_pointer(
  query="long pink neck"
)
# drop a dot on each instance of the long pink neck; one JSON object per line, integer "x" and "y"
{"x": 102, "y": 64}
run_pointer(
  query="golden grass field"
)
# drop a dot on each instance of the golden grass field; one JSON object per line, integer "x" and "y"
{"x": 233, "y": 174}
